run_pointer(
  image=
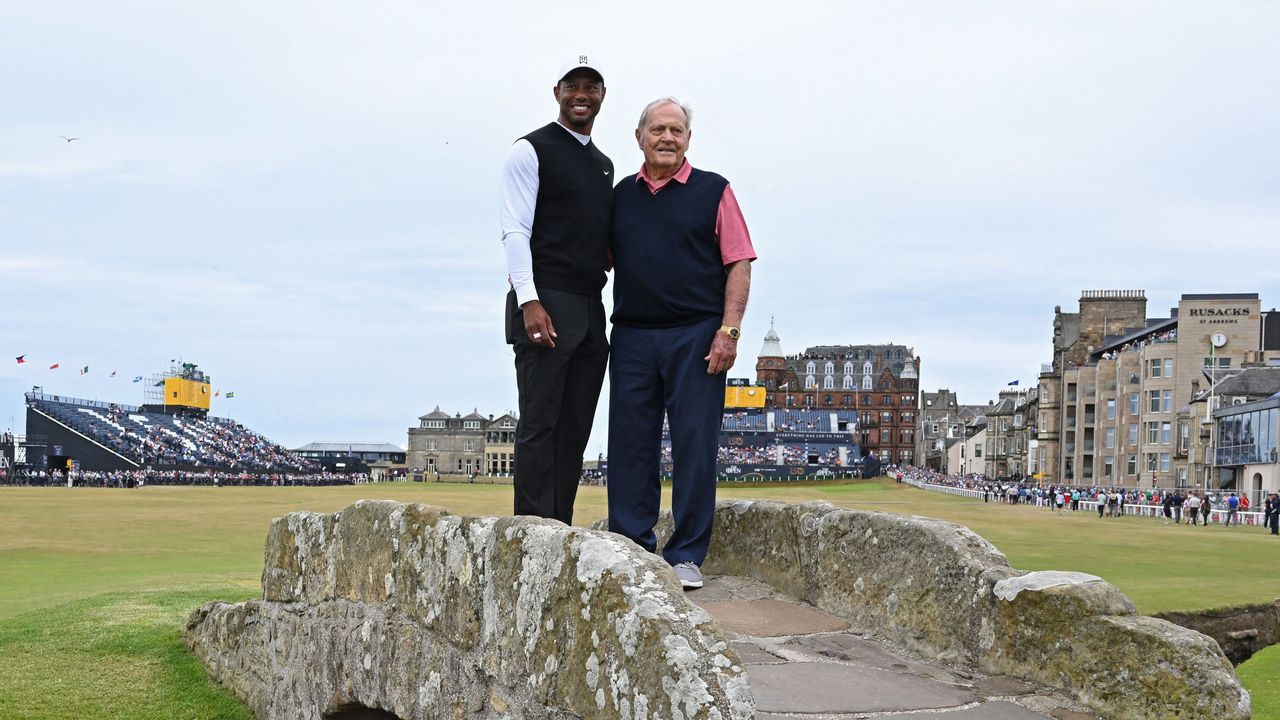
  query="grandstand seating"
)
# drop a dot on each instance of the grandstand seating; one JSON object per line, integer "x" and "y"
{"x": 157, "y": 439}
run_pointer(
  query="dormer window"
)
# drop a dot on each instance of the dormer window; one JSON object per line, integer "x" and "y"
{"x": 810, "y": 367}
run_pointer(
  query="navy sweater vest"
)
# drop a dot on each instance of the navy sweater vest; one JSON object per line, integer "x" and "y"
{"x": 570, "y": 235}
{"x": 668, "y": 269}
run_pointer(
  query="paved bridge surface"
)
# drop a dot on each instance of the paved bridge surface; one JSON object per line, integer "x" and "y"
{"x": 806, "y": 664}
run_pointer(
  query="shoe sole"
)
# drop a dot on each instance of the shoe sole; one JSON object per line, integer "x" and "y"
{"x": 691, "y": 584}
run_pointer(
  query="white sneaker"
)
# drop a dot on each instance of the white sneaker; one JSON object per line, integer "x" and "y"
{"x": 689, "y": 574}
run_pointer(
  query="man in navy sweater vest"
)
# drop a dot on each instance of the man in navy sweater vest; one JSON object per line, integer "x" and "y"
{"x": 682, "y": 272}
{"x": 556, "y": 202}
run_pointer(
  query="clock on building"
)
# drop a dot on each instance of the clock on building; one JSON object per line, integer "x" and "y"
{"x": 1218, "y": 339}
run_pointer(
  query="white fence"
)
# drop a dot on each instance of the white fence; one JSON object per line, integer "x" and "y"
{"x": 1246, "y": 517}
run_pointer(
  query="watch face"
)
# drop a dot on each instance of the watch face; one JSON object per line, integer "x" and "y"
{"x": 1218, "y": 339}
{"x": 734, "y": 333}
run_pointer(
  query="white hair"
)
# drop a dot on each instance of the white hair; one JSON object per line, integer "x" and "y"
{"x": 688, "y": 113}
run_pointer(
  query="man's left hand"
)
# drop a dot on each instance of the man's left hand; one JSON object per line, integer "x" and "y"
{"x": 724, "y": 350}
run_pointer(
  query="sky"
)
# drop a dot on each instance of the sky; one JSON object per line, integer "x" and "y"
{"x": 302, "y": 198}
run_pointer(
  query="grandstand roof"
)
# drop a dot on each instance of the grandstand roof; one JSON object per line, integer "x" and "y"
{"x": 360, "y": 447}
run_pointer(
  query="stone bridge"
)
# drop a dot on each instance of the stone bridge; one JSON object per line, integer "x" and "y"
{"x": 387, "y": 610}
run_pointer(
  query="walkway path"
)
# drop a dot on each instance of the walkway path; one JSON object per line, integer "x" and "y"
{"x": 804, "y": 664}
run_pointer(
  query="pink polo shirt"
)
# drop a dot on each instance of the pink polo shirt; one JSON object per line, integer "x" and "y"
{"x": 731, "y": 227}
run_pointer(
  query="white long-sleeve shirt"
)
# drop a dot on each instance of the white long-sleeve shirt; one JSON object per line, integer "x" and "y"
{"x": 519, "y": 200}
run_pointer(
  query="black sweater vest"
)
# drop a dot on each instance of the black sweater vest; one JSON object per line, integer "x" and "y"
{"x": 570, "y": 235}
{"x": 667, "y": 264}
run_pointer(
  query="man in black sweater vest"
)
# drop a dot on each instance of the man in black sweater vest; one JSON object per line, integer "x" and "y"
{"x": 682, "y": 271}
{"x": 557, "y": 197}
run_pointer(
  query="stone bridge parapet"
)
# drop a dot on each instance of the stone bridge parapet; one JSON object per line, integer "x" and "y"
{"x": 941, "y": 591}
{"x": 409, "y": 610}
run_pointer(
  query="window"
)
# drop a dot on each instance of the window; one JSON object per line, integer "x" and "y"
{"x": 886, "y": 400}
{"x": 468, "y": 446}
{"x": 1133, "y": 434}
{"x": 977, "y": 450}
{"x": 471, "y": 424}
{"x": 1133, "y": 403}
{"x": 791, "y": 401}
{"x": 908, "y": 400}
{"x": 1004, "y": 446}
{"x": 848, "y": 368}
{"x": 866, "y": 399}
{"x": 848, "y": 383}
{"x": 866, "y": 382}
{"x": 1153, "y": 401}
{"x": 1131, "y": 466}
{"x": 1154, "y": 366}
{"x": 1107, "y": 464}
{"x": 1153, "y": 433}
{"x": 886, "y": 417}
{"x": 1166, "y": 433}
{"x": 810, "y": 368}
{"x": 867, "y": 356}
{"x": 1111, "y": 409}
{"x": 886, "y": 436}
{"x": 809, "y": 383}
{"x": 1110, "y": 439}
{"x": 828, "y": 382}
{"x": 808, "y": 399}
{"x": 847, "y": 400}
{"x": 1224, "y": 362}
{"x": 1151, "y": 462}
{"x": 1168, "y": 401}
{"x": 434, "y": 424}
{"x": 866, "y": 366}
{"x": 830, "y": 367}
{"x": 1164, "y": 462}
{"x": 1168, "y": 367}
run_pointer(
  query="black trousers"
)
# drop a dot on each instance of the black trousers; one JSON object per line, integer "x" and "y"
{"x": 558, "y": 388}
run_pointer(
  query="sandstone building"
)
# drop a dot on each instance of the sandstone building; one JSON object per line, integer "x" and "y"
{"x": 463, "y": 445}
{"x": 1114, "y": 402}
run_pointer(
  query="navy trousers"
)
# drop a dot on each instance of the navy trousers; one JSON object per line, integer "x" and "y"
{"x": 653, "y": 370}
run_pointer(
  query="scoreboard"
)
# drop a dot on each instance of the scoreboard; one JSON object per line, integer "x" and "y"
{"x": 184, "y": 392}
{"x": 740, "y": 393}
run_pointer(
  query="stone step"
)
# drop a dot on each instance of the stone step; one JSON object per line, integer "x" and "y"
{"x": 804, "y": 663}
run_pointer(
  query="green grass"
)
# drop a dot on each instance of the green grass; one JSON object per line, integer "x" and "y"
{"x": 1261, "y": 674}
{"x": 95, "y": 584}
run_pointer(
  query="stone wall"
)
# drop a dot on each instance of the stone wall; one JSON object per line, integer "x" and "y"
{"x": 408, "y": 610}
{"x": 1240, "y": 631}
{"x": 940, "y": 590}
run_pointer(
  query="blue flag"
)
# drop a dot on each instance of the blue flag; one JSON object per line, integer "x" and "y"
{"x": 1015, "y": 382}
{"x": 138, "y": 379}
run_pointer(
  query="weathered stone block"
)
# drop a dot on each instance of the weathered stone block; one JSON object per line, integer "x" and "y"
{"x": 942, "y": 591}
{"x": 422, "y": 614}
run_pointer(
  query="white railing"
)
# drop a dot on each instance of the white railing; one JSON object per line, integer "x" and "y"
{"x": 1246, "y": 517}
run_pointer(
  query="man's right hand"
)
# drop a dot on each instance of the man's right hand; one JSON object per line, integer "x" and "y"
{"x": 537, "y": 324}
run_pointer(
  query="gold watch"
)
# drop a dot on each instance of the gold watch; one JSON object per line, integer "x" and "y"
{"x": 733, "y": 332}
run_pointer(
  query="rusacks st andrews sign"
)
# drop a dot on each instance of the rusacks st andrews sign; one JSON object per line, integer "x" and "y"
{"x": 1220, "y": 315}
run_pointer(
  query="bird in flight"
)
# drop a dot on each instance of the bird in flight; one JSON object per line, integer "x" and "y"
{"x": 68, "y": 139}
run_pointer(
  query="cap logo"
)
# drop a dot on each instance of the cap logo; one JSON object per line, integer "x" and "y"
{"x": 582, "y": 60}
